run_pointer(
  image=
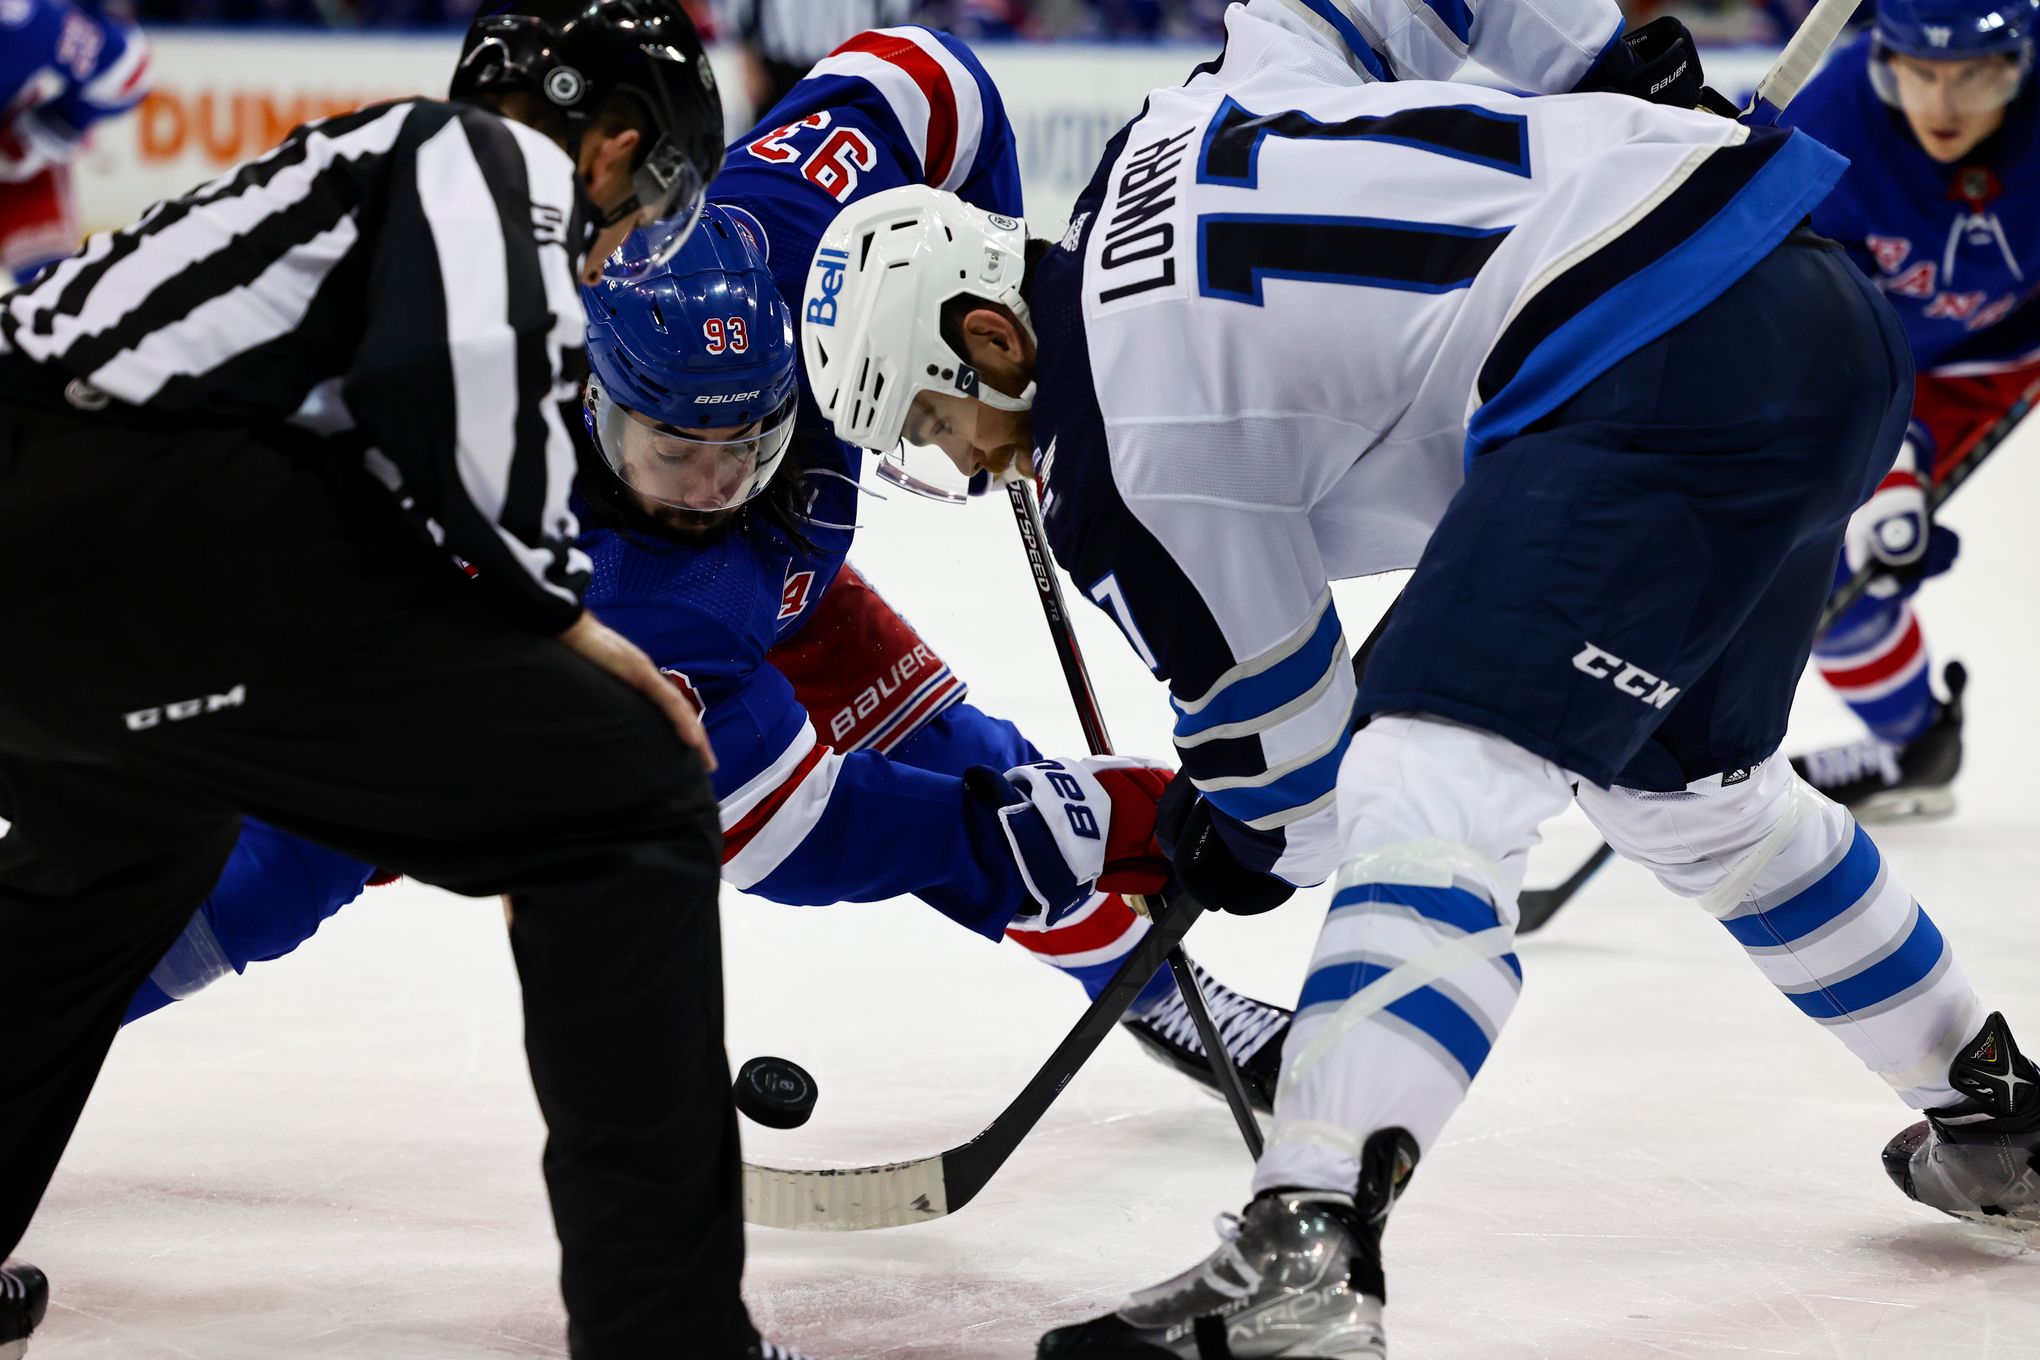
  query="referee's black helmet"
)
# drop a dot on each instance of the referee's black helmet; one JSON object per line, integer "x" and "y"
{"x": 575, "y": 54}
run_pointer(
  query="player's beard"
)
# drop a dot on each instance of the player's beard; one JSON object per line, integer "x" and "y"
{"x": 692, "y": 525}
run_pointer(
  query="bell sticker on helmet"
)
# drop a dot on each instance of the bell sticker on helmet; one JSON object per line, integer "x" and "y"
{"x": 821, "y": 308}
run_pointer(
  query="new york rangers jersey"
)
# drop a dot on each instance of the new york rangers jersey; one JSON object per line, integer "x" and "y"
{"x": 63, "y": 67}
{"x": 806, "y": 818}
{"x": 1949, "y": 245}
{"x": 1300, "y": 292}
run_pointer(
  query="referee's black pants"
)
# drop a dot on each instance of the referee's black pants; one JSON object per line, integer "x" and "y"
{"x": 196, "y": 625}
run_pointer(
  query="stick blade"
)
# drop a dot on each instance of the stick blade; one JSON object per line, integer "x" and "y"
{"x": 852, "y": 1199}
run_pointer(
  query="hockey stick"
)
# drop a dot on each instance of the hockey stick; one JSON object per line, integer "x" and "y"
{"x": 1540, "y": 906}
{"x": 893, "y": 1194}
{"x": 1796, "y": 64}
{"x": 1027, "y": 516}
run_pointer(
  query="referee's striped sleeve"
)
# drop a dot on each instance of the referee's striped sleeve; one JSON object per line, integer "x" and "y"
{"x": 472, "y": 313}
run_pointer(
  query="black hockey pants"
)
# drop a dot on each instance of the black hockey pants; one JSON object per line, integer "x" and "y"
{"x": 196, "y": 625}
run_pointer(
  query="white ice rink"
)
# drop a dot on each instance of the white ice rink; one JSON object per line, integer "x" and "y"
{"x": 337, "y": 1155}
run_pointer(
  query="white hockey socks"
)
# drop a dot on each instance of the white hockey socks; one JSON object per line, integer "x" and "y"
{"x": 1805, "y": 892}
{"x": 1413, "y": 975}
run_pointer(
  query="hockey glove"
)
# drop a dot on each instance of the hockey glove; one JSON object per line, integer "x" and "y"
{"x": 1205, "y": 865}
{"x": 1657, "y": 62}
{"x": 1077, "y": 827}
{"x": 1894, "y": 530}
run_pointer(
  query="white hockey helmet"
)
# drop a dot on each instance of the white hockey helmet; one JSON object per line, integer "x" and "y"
{"x": 871, "y": 314}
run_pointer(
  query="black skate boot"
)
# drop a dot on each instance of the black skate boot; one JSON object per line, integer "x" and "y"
{"x": 1880, "y": 782}
{"x": 1299, "y": 1277}
{"x": 1253, "y": 1032}
{"x": 24, "y": 1298}
{"x": 1978, "y": 1159}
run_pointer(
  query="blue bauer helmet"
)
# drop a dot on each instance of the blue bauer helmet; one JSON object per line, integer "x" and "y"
{"x": 1956, "y": 31}
{"x": 694, "y": 382}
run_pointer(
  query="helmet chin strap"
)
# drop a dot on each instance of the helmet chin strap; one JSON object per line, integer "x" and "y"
{"x": 1000, "y": 401}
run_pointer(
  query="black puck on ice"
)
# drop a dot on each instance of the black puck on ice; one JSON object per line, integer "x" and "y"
{"x": 777, "y": 1093}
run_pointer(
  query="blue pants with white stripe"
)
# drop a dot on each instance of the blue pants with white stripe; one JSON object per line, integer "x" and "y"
{"x": 1414, "y": 974}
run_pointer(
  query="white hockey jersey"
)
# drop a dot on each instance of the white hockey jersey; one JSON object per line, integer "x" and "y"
{"x": 1292, "y": 306}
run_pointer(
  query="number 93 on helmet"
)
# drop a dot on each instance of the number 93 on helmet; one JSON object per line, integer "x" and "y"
{"x": 693, "y": 388}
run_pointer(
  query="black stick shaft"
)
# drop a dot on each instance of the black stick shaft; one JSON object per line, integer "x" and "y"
{"x": 1027, "y": 516}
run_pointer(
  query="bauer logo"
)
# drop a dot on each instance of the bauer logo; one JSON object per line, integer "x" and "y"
{"x": 830, "y": 264}
{"x": 734, "y": 396}
{"x": 1626, "y": 676}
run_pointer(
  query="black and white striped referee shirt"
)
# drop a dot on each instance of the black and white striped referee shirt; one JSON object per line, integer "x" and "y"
{"x": 395, "y": 280}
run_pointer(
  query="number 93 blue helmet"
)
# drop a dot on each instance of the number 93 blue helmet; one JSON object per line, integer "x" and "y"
{"x": 693, "y": 387}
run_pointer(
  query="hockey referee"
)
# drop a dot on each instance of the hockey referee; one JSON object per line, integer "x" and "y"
{"x": 247, "y": 447}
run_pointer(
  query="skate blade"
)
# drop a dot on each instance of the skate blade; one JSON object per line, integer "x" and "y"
{"x": 1905, "y": 805}
{"x": 2021, "y": 1226}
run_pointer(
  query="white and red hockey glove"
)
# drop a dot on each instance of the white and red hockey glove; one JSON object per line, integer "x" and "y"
{"x": 1077, "y": 827}
{"x": 1890, "y": 529}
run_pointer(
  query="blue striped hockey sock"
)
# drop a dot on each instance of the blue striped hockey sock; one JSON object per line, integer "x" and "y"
{"x": 1847, "y": 944}
{"x": 1409, "y": 1059}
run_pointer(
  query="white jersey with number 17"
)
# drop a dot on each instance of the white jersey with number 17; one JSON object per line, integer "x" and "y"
{"x": 1293, "y": 305}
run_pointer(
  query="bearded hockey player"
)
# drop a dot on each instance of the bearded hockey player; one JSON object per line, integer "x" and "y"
{"x": 1940, "y": 208}
{"x": 719, "y": 516}
{"x": 1307, "y": 324}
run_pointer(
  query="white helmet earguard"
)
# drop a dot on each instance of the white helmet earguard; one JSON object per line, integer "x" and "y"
{"x": 871, "y": 314}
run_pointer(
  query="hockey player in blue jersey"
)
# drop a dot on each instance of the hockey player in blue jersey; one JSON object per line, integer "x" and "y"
{"x": 718, "y": 516}
{"x": 64, "y": 66}
{"x": 1940, "y": 207}
{"x": 1308, "y": 323}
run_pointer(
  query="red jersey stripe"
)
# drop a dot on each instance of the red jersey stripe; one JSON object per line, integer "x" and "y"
{"x": 934, "y": 82}
{"x": 754, "y": 821}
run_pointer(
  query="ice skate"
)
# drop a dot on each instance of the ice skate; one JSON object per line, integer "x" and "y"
{"x": 1298, "y": 1277}
{"x": 1253, "y": 1032}
{"x": 24, "y": 1298}
{"x": 1882, "y": 782}
{"x": 1979, "y": 1159}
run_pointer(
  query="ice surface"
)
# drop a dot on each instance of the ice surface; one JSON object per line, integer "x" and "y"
{"x": 336, "y": 1156}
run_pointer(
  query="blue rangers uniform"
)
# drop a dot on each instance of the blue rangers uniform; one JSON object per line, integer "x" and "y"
{"x": 1952, "y": 238}
{"x": 64, "y": 66}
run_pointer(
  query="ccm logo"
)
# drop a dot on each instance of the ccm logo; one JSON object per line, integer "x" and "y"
{"x": 144, "y": 718}
{"x": 1626, "y": 676}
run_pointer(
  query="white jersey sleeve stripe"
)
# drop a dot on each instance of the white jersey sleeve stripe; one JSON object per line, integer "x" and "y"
{"x": 783, "y": 821}
{"x": 931, "y": 95}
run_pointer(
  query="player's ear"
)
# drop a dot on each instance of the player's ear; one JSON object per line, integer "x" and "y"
{"x": 990, "y": 334}
{"x": 606, "y": 157}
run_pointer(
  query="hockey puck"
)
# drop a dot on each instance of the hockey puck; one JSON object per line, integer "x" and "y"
{"x": 775, "y": 1092}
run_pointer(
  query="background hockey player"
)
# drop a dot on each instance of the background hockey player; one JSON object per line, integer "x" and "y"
{"x": 242, "y": 437}
{"x": 64, "y": 65}
{"x": 1940, "y": 207}
{"x": 718, "y": 546}
{"x": 1311, "y": 324}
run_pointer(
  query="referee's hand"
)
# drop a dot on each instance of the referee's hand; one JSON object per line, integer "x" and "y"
{"x": 596, "y": 641}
